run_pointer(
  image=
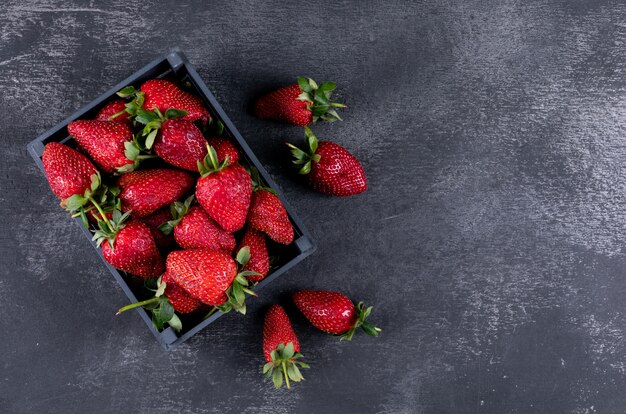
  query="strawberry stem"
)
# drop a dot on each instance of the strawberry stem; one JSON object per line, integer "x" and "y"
{"x": 88, "y": 209}
{"x": 137, "y": 304}
{"x": 361, "y": 322}
{"x": 211, "y": 312}
{"x": 146, "y": 157}
{"x": 286, "y": 376}
{"x": 115, "y": 115}
{"x": 102, "y": 214}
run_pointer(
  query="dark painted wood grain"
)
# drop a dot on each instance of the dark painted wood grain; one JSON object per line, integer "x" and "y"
{"x": 491, "y": 240}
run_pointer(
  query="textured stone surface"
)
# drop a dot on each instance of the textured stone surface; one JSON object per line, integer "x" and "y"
{"x": 491, "y": 240}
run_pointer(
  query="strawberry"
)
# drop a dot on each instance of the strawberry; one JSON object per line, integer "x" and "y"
{"x": 224, "y": 147}
{"x": 163, "y": 95}
{"x": 156, "y": 219}
{"x": 224, "y": 192}
{"x": 74, "y": 179}
{"x": 259, "y": 259}
{"x": 68, "y": 171}
{"x": 129, "y": 246}
{"x": 281, "y": 348}
{"x": 106, "y": 142}
{"x": 181, "y": 144}
{"x": 267, "y": 214}
{"x": 144, "y": 192}
{"x": 176, "y": 141}
{"x": 194, "y": 229}
{"x": 211, "y": 276}
{"x": 300, "y": 104}
{"x": 181, "y": 301}
{"x": 168, "y": 298}
{"x": 330, "y": 167}
{"x": 334, "y": 313}
{"x": 110, "y": 111}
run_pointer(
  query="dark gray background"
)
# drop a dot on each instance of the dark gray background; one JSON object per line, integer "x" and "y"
{"x": 491, "y": 239}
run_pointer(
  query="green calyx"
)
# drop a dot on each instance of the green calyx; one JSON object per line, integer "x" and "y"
{"x": 78, "y": 201}
{"x": 303, "y": 159}
{"x": 140, "y": 147}
{"x": 108, "y": 229}
{"x": 241, "y": 285}
{"x": 136, "y": 97}
{"x": 361, "y": 322}
{"x": 318, "y": 99}
{"x": 284, "y": 365}
{"x": 152, "y": 121}
{"x": 136, "y": 150}
{"x": 99, "y": 197}
{"x": 210, "y": 164}
{"x": 178, "y": 210}
{"x": 257, "y": 183}
{"x": 159, "y": 306}
{"x": 214, "y": 127}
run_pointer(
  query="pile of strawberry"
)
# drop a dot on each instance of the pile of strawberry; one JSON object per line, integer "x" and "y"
{"x": 171, "y": 203}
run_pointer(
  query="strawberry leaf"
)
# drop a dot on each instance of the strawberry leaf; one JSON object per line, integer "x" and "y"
{"x": 288, "y": 351}
{"x": 174, "y": 113}
{"x": 74, "y": 202}
{"x": 83, "y": 218}
{"x": 163, "y": 313}
{"x": 144, "y": 117}
{"x": 304, "y": 84}
{"x": 126, "y": 92}
{"x": 95, "y": 182}
{"x": 277, "y": 378}
{"x": 243, "y": 256}
{"x": 175, "y": 323}
{"x": 131, "y": 151}
{"x": 161, "y": 288}
{"x": 167, "y": 228}
{"x": 306, "y": 168}
{"x": 219, "y": 127}
{"x": 328, "y": 86}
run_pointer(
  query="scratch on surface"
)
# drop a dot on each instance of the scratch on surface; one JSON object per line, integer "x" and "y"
{"x": 393, "y": 217}
{"x": 13, "y": 59}
{"x": 62, "y": 10}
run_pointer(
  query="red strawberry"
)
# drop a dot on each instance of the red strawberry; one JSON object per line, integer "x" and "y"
{"x": 164, "y": 95}
{"x": 259, "y": 260}
{"x": 194, "y": 229}
{"x": 106, "y": 143}
{"x": 334, "y": 312}
{"x": 113, "y": 108}
{"x": 129, "y": 246}
{"x": 224, "y": 192}
{"x": 144, "y": 192}
{"x": 281, "y": 348}
{"x": 176, "y": 141}
{"x": 68, "y": 171}
{"x": 181, "y": 144}
{"x": 156, "y": 219}
{"x": 209, "y": 275}
{"x": 300, "y": 104}
{"x": 224, "y": 147}
{"x": 181, "y": 301}
{"x": 331, "y": 168}
{"x": 268, "y": 215}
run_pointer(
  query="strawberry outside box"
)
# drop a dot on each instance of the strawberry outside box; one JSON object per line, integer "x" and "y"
{"x": 174, "y": 65}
